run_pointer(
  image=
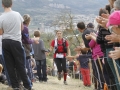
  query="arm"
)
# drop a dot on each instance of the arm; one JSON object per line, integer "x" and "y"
{"x": 1, "y": 32}
{"x": 113, "y": 38}
{"x": 1, "y": 27}
{"x": 86, "y": 42}
{"x": 92, "y": 43}
{"x": 52, "y": 45}
{"x": 42, "y": 46}
{"x": 22, "y": 27}
{"x": 68, "y": 51}
{"x": 93, "y": 38}
{"x": 25, "y": 36}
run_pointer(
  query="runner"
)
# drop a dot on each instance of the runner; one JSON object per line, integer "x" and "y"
{"x": 61, "y": 47}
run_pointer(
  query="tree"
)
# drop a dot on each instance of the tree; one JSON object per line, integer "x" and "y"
{"x": 65, "y": 21}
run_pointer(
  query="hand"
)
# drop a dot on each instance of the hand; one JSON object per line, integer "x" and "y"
{"x": 112, "y": 38}
{"x": 78, "y": 48}
{"x": 77, "y": 55}
{"x": 102, "y": 21}
{"x": 103, "y": 61}
{"x": 93, "y": 34}
{"x": 47, "y": 53}
{"x": 70, "y": 57}
{"x": 115, "y": 54}
{"x": 88, "y": 36}
{"x": 105, "y": 16}
{"x": 36, "y": 40}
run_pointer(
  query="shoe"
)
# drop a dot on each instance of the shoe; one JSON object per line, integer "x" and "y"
{"x": 85, "y": 85}
{"x": 65, "y": 82}
{"x": 40, "y": 81}
{"x": 44, "y": 80}
{"x": 59, "y": 76}
{"x": 88, "y": 85}
{"x": 29, "y": 88}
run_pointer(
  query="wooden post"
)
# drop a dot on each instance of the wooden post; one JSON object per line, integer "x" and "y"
{"x": 91, "y": 71}
{"x": 116, "y": 70}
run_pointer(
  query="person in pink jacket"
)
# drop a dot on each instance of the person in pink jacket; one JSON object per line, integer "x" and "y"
{"x": 96, "y": 53}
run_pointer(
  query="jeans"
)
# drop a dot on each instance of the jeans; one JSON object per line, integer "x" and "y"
{"x": 29, "y": 68}
{"x": 41, "y": 69}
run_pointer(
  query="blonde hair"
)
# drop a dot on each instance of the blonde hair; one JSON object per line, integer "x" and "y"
{"x": 26, "y": 18}
{"x": 1, "y": 68}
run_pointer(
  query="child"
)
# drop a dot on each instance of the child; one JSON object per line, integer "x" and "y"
{"x": 40, "y": 57}
{"x": 84, "y": 67}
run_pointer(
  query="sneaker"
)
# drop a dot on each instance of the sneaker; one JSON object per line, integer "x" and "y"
{"x": 65, "y": 82}
{"x": 59, "y": 76}
{"x": 29, "y": 88}
{"x": 85, "y": 85}
{"x": 44, "y": 80}
{"x": 40, "y": 81}
{"x": 88, "y": 85}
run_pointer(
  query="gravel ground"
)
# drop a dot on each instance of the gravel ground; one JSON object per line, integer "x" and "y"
{"x": 54, "y": 84}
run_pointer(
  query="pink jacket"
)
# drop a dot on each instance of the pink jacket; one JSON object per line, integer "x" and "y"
{"x": 96, "y": 50}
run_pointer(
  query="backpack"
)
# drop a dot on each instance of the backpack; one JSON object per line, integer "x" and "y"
{"x": 63, "y": 44}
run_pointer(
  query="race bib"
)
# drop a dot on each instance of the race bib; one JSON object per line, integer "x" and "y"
{"x": 59, "y": 55}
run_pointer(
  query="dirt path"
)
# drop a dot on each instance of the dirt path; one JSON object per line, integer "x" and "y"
{"x": 54, "y": 84}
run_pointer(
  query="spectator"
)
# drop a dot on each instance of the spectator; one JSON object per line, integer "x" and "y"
{"x": 11, "y": 39}
{"x": 40, "y": 57}
{"x": 105, "y": 46}
{"x": 90, "y": 25}
{"x": 27, "y": 44}
{"x": 81, "y": 27}
{"x": 117, "y": 5}
{"x": 96, "y": 52}
{"x": 84, "y": 67}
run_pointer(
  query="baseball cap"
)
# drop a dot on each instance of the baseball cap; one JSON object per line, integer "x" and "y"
{"x": 114, "y": 19}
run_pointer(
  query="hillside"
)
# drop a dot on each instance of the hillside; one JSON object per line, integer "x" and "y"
{"x": 43, "y": 11}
